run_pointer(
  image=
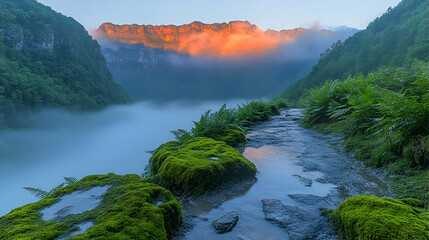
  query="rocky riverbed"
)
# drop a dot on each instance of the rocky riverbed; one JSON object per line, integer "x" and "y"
{"x": 300, "y": 173}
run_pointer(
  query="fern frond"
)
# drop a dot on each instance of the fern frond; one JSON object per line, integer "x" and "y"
{"x": 55, "y": 189}
{"x": 37, "y": 192}
{"x": 70, "y": 180}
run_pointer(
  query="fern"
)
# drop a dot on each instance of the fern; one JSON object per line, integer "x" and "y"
{"x": 37, "y": 192}
{"x": 389, "y": 102}
{"x": 70, "y": 180}
{"x": 181, "y": 135}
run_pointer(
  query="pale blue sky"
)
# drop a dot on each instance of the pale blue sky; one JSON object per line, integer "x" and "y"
{"x": 274, "y": 14}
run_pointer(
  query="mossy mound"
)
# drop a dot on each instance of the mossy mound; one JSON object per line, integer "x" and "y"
{"x": 371, "y": 217}
{"x": 129, "y": 209}
{"x": 198, "y": 165}
{"x": 232, "y": 137}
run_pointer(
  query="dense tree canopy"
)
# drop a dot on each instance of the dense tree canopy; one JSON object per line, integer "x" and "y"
{"x": 402, "y": 33}
{"x": 49, "y": 60}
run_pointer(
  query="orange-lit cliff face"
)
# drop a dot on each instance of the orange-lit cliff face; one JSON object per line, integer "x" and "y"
{"x": 231, "y": 39}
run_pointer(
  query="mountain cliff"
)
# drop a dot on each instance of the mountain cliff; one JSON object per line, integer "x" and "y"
{"x": 212, "y": 40}
{"x": 401, "y": 34}
{"x": 49, "y": 60}
{"x": 215, "y": 61}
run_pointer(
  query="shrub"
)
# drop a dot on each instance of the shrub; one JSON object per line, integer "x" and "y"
{"x": 212, "y": 124}
{"x": 390, "y": 105}
{"x": 226, "y": 123}
{"x": 279, "y": 102}
{"x": 255, "y": 111}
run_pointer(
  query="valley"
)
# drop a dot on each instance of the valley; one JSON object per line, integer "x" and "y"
{"x": 200, "y": 120}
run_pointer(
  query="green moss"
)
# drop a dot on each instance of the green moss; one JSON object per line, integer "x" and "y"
{"x": 232, "y": 137}
{"x": 125, "y": 212}
{"x": 371, "y": 217}
{"x": 198, "y": 165}
{"x": 412, "y": 202}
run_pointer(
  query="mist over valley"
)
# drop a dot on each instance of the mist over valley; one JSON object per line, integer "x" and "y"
{"x": 211, "y": 61}
{"x": 170, "y": 120}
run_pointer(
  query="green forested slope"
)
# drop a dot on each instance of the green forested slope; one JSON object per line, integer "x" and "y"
{"x": 402, "y": 33}
{"x": 49, "y": 60}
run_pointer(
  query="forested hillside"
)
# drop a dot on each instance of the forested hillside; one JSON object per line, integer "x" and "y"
{"x": 49, "y": 60}
{"x": 393, "y": 39}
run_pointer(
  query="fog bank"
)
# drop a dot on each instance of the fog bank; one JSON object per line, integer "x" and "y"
{"x": 64, "y": 144}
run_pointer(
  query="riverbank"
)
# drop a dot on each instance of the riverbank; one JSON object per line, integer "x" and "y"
{"x": 383, "y": 119}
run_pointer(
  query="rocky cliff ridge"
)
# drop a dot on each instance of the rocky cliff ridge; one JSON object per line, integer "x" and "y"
{"x": 188, "y": 38}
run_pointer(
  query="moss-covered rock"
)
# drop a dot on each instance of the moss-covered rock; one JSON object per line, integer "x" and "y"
{"x": 129, "y": 209}
{"x": 198, "y": 165}
{"x": 371, "y": 217}
{"x": 232, "y": 137}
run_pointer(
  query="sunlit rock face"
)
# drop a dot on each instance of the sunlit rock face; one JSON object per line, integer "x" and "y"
{"x": 236, "y": 38}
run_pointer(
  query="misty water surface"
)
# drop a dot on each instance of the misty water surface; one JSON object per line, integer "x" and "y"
{"x": 64, "y": 144}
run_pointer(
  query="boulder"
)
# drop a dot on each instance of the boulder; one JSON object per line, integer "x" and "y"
{"x": 226, "y": 223}
{"x": 198, "y": 165}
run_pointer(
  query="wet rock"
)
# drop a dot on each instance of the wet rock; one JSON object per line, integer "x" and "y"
{"x": 297, "y": 222}
{"x": 309, "y": 166}
{"x": 226, "y": 223}
{"x": 188, "y": 223}
{"x": 306, "y": 181}
{"x": 191, "y": 173}
{"x": 293, "y": 219}
{"x": 313, "y": 201}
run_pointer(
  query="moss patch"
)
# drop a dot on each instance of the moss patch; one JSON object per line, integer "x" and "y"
{"x": 126, "y": 211}
{"x": 371, "y": 217}
{"x": 198, "y": 165}
{"x": 232, "y": 137}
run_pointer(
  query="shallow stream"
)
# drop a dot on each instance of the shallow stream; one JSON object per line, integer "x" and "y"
{"x": 305, "y": 170}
